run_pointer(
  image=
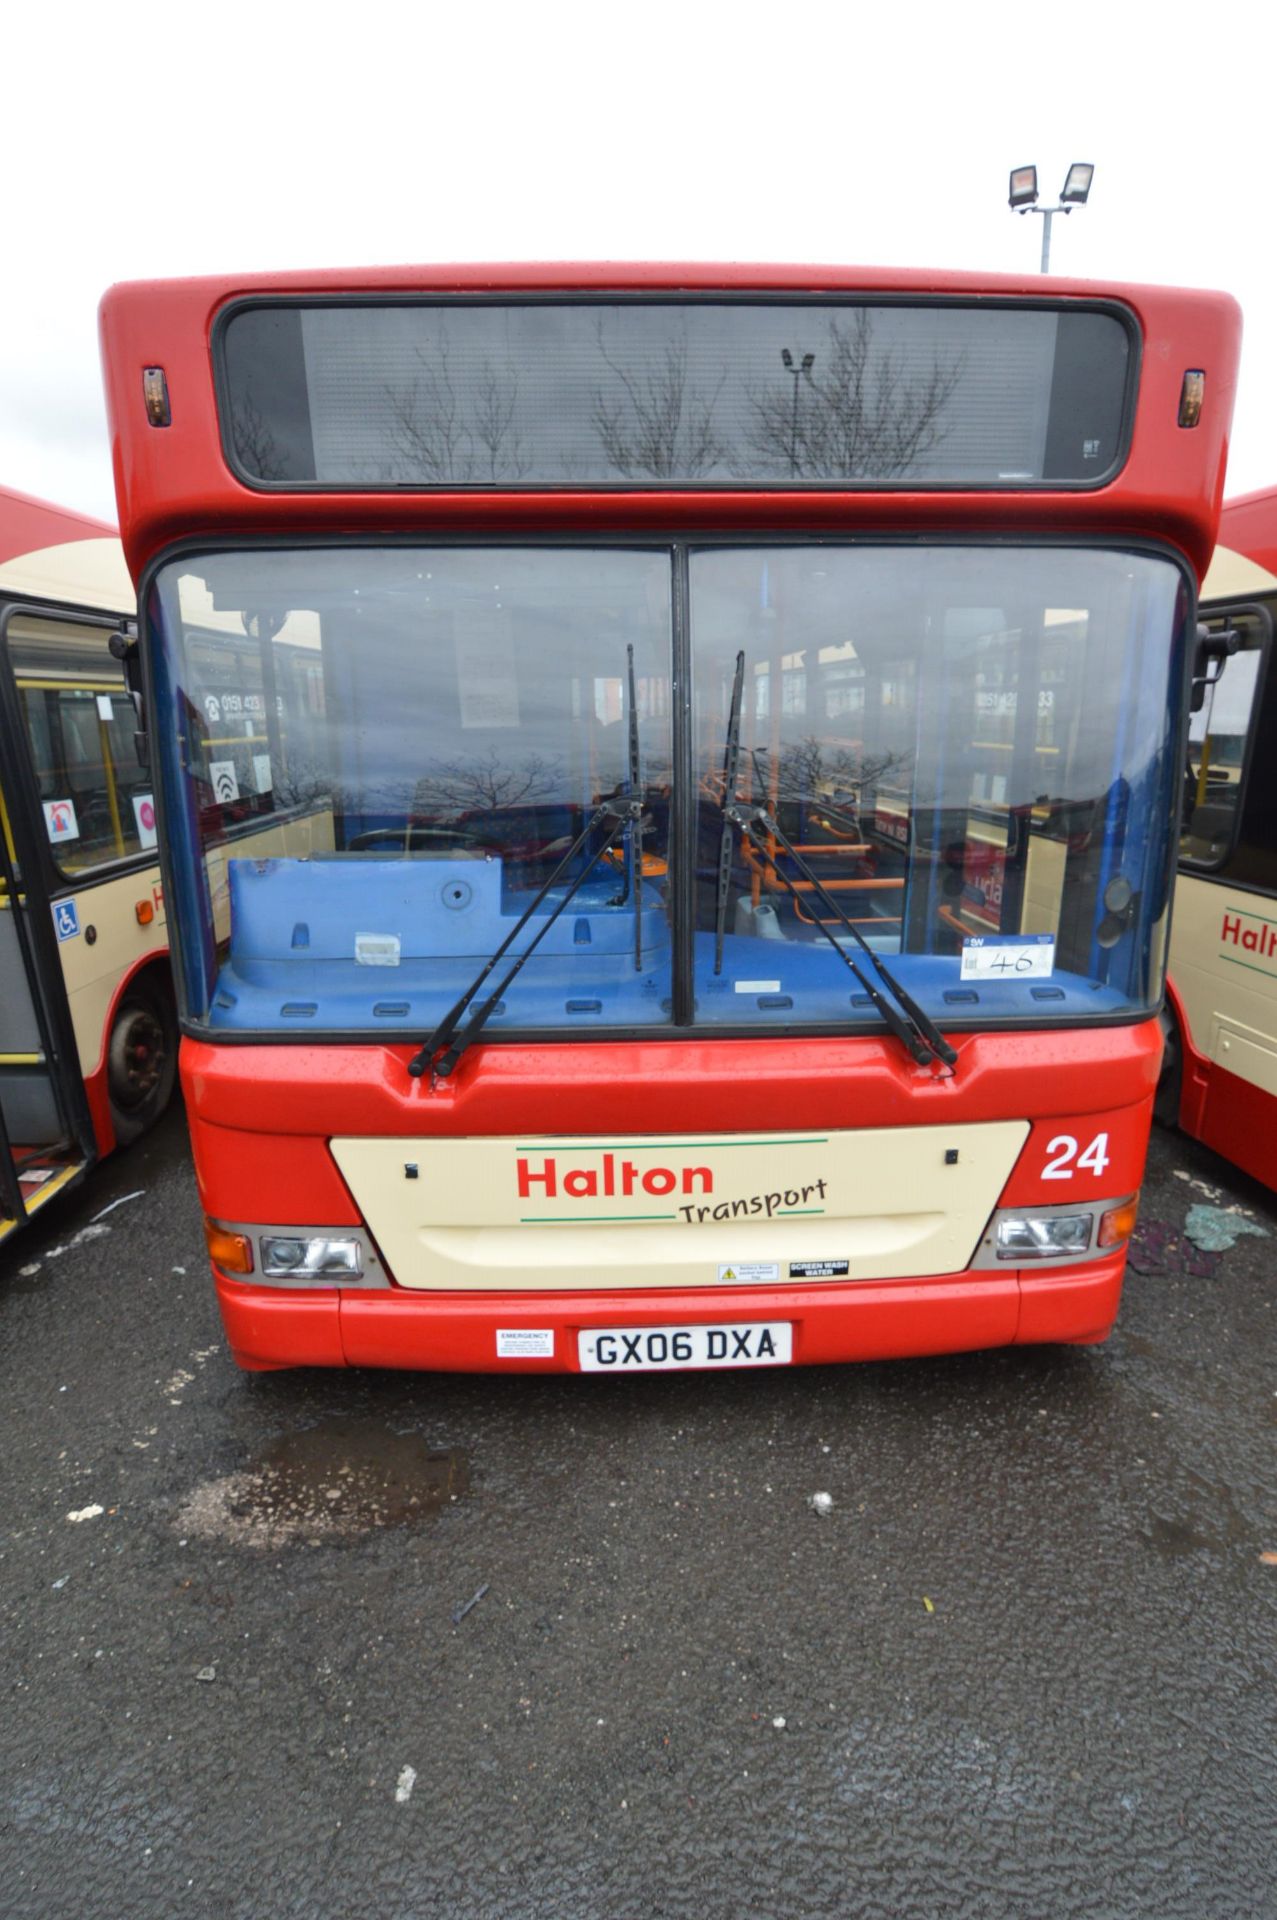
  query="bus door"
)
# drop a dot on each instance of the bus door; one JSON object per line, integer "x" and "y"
{"x": 46, "y": 1136}
{"x": 1224, "y": 934}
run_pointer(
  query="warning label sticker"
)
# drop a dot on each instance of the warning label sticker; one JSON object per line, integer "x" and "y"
{"x": 525, "y": 1343}
{"x": 749, "y": 1273}
{"x": 817, "y": 1269}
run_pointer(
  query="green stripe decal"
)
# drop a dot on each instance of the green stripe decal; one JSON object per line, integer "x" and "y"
{"x": 557, "y": 1219}
{"x": 661, "y": 1146}
{"x": 1249, "y": 966}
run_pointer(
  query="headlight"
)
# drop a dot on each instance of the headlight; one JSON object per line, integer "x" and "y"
{"x": 285, "y": 1258}
{"x": 1042, "y": 1236}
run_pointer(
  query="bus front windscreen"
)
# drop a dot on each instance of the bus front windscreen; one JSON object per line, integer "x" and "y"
{"x": 718, "y": 784}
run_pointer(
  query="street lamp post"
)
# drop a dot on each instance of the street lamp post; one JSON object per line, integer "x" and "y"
{"x": 804, "y": 366}
{"x": 1024, "y": 193}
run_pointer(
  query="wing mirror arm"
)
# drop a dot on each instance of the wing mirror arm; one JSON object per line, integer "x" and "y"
{"x": 124, "y": 648}
{"x": 1215, "y": 645}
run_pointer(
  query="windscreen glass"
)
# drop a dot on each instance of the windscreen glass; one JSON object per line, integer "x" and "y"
{"x": 952, "y": 762}
{"x": 384, "y": 759}
{"x": 539, "y": 393}
{"x": 957, "y": 759}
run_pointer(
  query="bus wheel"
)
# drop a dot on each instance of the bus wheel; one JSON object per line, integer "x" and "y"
{"x": 141, "y": 1060}
{"x": 1166, "y": 1101}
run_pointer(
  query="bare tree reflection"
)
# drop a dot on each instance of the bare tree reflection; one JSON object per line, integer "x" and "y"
{"x": 437, "y": 440}
{"x": 256, "y": 445}
{"x": 862, "y": 414}
{"x": 656, "y": 424}
{"x": 486, "y": 782}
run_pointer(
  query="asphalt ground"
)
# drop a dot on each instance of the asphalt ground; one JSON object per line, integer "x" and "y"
{"x": 1024, "y": 1666}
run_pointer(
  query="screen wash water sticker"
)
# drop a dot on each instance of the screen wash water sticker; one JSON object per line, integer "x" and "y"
{"x": 525, "y": 1343}
{"x": 1009, "y": 956}
{"x": 818, "y": 1269}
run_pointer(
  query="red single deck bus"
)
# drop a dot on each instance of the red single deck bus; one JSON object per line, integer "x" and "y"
{"x": 88, "y": 1023}
{"x": 1219, "y": 1075}
{"x": 729, "y": 724}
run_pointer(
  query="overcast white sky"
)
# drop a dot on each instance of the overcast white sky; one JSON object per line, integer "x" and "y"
{"x": 142, "y": 141}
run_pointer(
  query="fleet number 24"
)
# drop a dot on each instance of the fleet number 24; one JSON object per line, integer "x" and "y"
{"x": 1063, "y": 1159}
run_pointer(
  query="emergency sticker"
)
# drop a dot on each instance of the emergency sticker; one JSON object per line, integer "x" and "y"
{"x": 749, "y": 1272}
{"x": 818, "y": 1269}
{"x": 525, "y": 1343}
{"x": 758, "y": 986}
{"x": 377, "y": 949}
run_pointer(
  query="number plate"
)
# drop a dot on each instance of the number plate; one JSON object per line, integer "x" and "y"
{"x": 754, "y": 1343}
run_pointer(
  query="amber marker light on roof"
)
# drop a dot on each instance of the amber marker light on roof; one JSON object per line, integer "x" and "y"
{"x": 1191, "y": 395}
{"x": 155, "y": 394}
{"x": 232, "y": 1252}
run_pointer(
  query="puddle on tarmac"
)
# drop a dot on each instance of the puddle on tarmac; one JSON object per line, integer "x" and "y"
{"x": 337, "y": 1481}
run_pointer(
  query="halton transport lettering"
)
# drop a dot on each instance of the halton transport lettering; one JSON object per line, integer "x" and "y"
{"x": 1261, "y": 939}
{"x": 547, "y": 1179}
{"x": 588, "y": 1183}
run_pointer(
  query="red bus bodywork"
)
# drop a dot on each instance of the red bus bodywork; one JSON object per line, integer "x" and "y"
{"x": 262, "y": 1116}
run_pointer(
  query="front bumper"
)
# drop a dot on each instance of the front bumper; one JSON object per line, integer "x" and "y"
{"x": 269, "y": 1327}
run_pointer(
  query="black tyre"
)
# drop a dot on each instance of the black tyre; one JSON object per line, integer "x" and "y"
{"x": 141, "y": 1059}
{"x": 1170, "y": 1080}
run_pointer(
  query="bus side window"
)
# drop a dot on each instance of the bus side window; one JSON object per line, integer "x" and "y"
{"x": 80, "y": 723}
{"x": 1215, "y": 770}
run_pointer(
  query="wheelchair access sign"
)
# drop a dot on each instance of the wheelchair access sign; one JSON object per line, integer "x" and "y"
{"x": 66, "y": 919}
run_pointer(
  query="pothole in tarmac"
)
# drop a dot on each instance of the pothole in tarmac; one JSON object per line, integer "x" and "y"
{"x": 337, "y": 1481}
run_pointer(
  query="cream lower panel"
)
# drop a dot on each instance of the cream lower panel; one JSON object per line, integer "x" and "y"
{"x": 94, "y": 969}
{"x": 536, "y": 1214}
{"x": 1223, "y": 961}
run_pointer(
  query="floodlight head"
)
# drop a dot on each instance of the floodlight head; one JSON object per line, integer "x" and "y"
{"x": 787, "y": 358}
{"x": 1078, "y": 184}
{"x": 1024, "y": 187}
{"x": 809, "y": 361}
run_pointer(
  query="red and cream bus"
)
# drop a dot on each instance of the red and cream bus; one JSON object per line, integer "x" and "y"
{"x": 729, "y": 724}
{"x": 1220, "y": 1070}
{"x": 88, "y": 1023}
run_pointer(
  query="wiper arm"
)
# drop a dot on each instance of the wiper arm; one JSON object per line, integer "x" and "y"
{"x": 731, "y": 759}
{"x": 619, "y": 813}
{"x": 610, "y": 810}
{"x": 910, "y": 1025}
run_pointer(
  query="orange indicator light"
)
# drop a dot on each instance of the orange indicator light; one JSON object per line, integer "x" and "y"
{"x": 1118, "y": 1224}
{"x": 232, "y": 1252}
{"x": 145, "y": 912}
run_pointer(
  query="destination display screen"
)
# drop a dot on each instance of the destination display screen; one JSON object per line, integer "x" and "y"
{"x": 690, "y": 392}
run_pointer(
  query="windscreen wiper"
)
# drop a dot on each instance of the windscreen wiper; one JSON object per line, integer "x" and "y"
{"x": 634, "y": 838}
{"x": 906, "y": 1020}
{"x": 731, "y": 759}
{"x": 614, "y": 814}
